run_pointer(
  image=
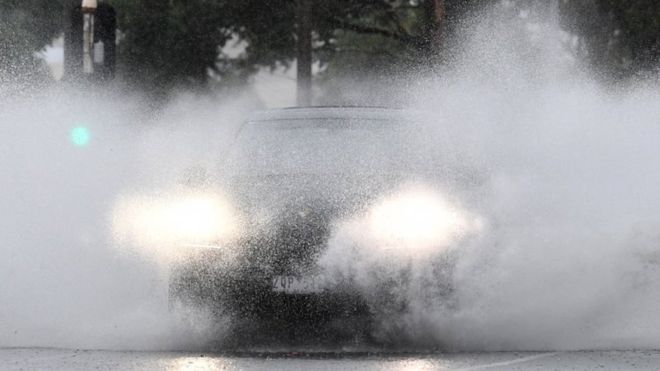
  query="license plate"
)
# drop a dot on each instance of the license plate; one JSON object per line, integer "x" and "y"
{"x": 298, "y": 284}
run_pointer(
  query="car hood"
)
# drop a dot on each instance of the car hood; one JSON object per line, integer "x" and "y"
{"x": 296, "y": 196}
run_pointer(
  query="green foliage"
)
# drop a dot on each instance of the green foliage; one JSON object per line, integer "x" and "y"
{"x": 26, "y": 26}
{"x": 268, "y": 27}
{"x": 170, "y": 43}
{"x": 177, "y": 42}
{"x": 620, "y": 38}
{"x": 639, "y": 24}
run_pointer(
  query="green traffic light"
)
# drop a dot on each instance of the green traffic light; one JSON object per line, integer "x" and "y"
{"x": 80, "y": 136}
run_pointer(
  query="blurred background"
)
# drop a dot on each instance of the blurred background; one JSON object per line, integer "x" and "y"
{"x": 339, "y": 51}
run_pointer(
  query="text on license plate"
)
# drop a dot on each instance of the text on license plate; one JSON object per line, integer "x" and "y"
{"x": 298, "y": 284}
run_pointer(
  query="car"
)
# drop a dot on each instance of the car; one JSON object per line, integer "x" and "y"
{"x": 293, "y": 178}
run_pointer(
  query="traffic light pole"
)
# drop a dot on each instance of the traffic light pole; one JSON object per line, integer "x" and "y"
{"x": 90, "y": 42}
{"x": 88, "y": 9}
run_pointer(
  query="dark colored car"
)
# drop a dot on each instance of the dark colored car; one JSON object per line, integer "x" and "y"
{"x": 292, "y": 174}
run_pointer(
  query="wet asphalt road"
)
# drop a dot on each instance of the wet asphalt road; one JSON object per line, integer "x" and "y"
{"x": 57, "y": 359}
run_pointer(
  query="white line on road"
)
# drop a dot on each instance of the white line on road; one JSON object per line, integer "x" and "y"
{"x": 509, "y": 363}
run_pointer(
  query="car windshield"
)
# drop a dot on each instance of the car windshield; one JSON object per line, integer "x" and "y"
{"x": 323, "y": 146}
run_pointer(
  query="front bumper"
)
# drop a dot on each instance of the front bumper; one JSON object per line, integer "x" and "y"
{"x": 260, "y": 315}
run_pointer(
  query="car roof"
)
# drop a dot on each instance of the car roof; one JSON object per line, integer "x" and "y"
{"x": 324, "y": 113}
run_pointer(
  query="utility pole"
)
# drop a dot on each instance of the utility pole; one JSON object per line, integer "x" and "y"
{"x": 304, "y": 60}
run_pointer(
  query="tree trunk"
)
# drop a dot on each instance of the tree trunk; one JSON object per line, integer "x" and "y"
{"x": 304, "y": 60}
{"x": 440, "y": 14}
{"x": 434, "y": 12}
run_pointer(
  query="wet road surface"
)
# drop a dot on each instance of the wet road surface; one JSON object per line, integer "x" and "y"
{"x": 58, "y": 359}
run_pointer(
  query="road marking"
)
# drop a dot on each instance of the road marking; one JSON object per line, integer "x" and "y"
{"x": 509, "y": 363}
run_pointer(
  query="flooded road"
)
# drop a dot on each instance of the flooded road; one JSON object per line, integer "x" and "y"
{"x": 56, "y": 359}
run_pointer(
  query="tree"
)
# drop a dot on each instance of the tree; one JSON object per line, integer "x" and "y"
{"x": 304, "y": 57}
{"x": 26, "y": 27}
{"x": 167, "y": 43}
{"x": 620, "y": 38}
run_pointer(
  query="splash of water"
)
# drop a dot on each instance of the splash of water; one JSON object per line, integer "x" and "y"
{"x": 66, "y": 283}
{"x": 566, "y": 255}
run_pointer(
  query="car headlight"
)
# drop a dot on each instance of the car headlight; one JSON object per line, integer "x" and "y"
{"x": 418, "y": 219}
{"x": 183, "y": 218}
